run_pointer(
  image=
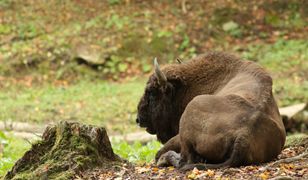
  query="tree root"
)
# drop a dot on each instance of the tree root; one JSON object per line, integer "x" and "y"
{"x": 286, "y": 160}
{"x": 291, "y": 159}
{"x": 281, "y": 178}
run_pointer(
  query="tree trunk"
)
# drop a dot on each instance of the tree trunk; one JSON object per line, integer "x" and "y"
{"x": 65, "y": 149}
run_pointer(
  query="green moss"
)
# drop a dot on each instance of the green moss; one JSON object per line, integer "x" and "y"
{"x": 296, "y": 140}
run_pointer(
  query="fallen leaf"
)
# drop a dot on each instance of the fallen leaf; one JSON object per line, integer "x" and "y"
{"x": 287, "y": 166}
{"x": 170, "y": 168}
{"x": 210, "y": 173}
{"x": 196, "y": 171}
{"x": 155, "y": 169}
{"x": 264, "y": 175}
{"x": 192, "y": 176}
{"x": 141, "y": 170}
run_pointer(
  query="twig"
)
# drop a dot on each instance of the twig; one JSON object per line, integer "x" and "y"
{"x": 301, "y": 167}
{"x": 286, "y": 160}
{"x": 184, "y": 9}
{"x": 291, "y": 159}
{"x": 281, "y": 178}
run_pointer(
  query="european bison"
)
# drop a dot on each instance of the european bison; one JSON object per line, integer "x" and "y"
{"x": 216, "y": 108}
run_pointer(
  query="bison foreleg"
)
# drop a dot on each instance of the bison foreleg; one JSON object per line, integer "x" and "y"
{"x": 172, "y": 145}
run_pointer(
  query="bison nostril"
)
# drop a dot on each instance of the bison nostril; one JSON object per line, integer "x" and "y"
{"x": 137, "y": 120}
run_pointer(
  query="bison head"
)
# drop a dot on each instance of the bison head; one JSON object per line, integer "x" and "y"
{"x": 157, "y": 109}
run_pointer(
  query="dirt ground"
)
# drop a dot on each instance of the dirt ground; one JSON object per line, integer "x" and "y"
{"x": 292, "y": 163}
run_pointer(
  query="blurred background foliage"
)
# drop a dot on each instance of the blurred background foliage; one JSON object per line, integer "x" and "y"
{"x": 88, "y": 60}
{"x": 119, "y": 38}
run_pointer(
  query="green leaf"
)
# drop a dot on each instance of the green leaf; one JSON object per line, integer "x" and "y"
{"x": 146, "y": 68}
{"x": 4, "y": 29}
{"x": 185, "y": 43}
{"x": 122, "y": 67}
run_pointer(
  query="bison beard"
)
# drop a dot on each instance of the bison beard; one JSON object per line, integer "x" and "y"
{"x": 216, "y": 109}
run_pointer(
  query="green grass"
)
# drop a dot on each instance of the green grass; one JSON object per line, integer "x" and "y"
{"x": 287, "y": 61}
{"x": 281, "y": 56}
{"x": 11, "y": 149}
{"x": 102, "y": 103}
{"x": 136, "y": 152}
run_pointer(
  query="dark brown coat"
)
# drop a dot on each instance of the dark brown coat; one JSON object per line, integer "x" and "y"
{"x": 215, "y": 107}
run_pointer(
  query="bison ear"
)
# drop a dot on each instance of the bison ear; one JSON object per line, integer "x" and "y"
{"x": 162, "y": 80}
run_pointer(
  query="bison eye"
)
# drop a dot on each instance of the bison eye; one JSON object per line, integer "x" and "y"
{"x": 153, "y": 95}
{"x": 151, "y": 92}
{"x": 169, "y": 89}
{"x": 155, "y": 92}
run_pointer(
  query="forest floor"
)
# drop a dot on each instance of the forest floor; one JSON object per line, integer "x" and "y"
{"x": 292, "y": 163}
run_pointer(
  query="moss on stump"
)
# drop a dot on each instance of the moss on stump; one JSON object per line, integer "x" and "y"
{"x": 297, "y": 140}
{"x": 65, "y": 149}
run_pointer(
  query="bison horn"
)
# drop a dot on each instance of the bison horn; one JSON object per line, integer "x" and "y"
{"x": 159, "y": 74}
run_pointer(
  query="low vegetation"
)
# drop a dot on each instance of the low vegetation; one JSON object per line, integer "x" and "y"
{"x": 108, "y": 104}
{"x": 11, "y": 149}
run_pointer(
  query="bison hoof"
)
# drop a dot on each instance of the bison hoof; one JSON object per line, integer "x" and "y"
{"x": 170, "y": 158}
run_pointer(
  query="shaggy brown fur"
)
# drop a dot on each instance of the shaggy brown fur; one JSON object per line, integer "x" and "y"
{"x": 217, "y": 108}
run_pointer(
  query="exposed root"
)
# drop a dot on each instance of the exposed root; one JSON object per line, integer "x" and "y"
{"x": 286, "y": 160}
{"x": 281, "y": 178}
{"x": 291, "y": 159}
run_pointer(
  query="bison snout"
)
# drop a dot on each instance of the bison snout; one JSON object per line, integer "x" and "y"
{"x": 137, "y": 120}
{"x": 141, "y": 122}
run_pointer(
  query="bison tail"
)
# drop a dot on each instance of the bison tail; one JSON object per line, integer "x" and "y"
{"x": 237, "y": 158}
{"x": 203, "y": 166}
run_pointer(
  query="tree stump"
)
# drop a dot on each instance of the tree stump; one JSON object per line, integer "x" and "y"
{"x": 295, "y": 117}
{"x": 297, "y": 140}
{"x": 65, "y": 149}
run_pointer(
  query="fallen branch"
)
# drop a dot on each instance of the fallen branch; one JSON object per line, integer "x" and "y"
{"x": 286, "y": 160}
{"x": 22, "y": 127}
{"x": 291, "y": 159}
{"x": 281, "y": 178}
{"x": 183, "y": 4}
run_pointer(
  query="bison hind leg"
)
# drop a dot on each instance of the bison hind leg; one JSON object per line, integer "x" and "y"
{"x": 238, "y": 157}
